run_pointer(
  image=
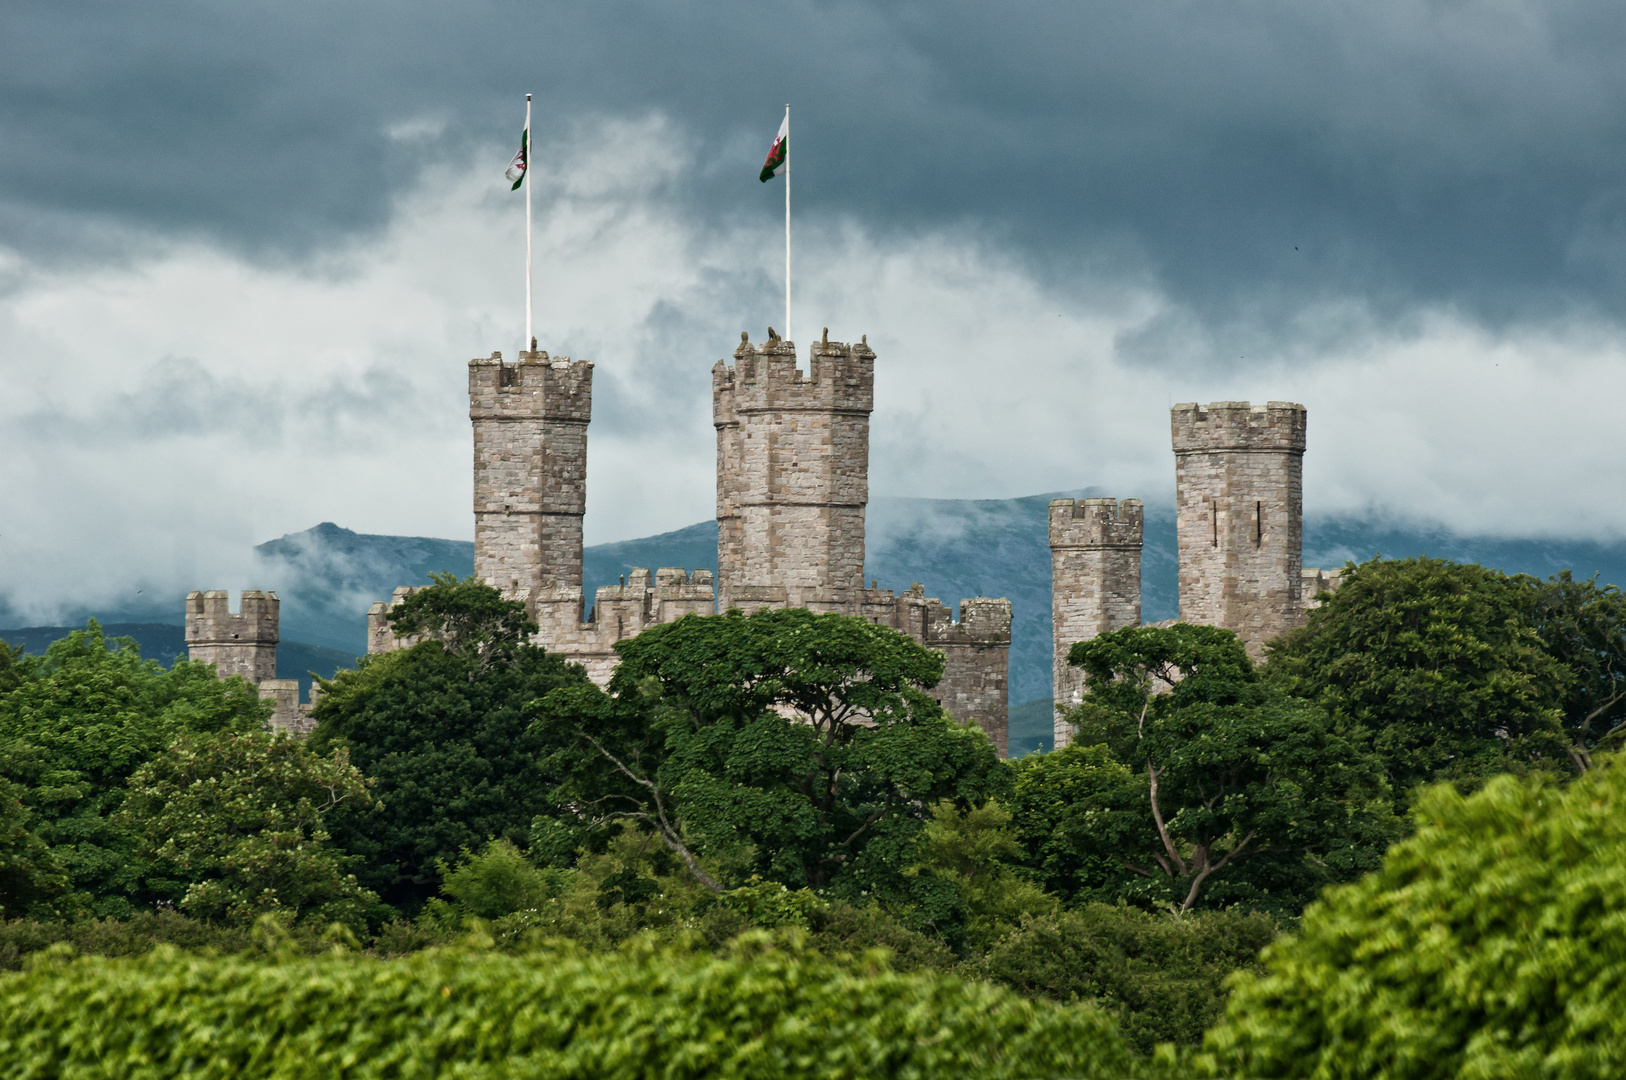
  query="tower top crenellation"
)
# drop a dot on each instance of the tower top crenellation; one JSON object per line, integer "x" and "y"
{"x": 1237, "y": 425}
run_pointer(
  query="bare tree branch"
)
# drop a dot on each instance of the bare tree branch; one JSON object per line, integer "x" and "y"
{"x": 669, "y": 834}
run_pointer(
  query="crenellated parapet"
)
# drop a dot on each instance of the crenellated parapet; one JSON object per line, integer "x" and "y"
{"x": 1095, "y": 548}
{"x": 381, "y": 636}
{"x": 535, "y": 387}
{"x": 619, "y": 612}
{"x": 1276, "y": 426}
{"x": 237, "y": 643}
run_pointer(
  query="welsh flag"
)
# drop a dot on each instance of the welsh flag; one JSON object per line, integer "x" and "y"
{"x": 778, "y": 154}
{"x": 516, "y": 168}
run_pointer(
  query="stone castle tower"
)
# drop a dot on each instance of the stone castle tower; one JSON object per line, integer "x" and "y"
{"x": 530, "y": 478}
{"x": 1239, "y": 479}
{"x": 792, "y": 473}
{"x": 792, "y": 487}
{"x": 1095, "y": 547}
{"x": 245, "y": 644}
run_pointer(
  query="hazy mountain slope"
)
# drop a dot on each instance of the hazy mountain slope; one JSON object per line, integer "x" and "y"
{"x": 327, "y": 576}
{"x": 164, "y": 642}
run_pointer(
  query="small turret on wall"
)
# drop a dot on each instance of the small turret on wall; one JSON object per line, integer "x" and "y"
{"x": 244, "y": 643}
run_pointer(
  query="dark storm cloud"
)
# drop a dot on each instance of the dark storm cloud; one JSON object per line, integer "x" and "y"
{"x": 1252, "y": 160}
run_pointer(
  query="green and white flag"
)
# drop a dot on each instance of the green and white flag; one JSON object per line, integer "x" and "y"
{"x": 516, "y": 168}
{"x": 779, "y": 153}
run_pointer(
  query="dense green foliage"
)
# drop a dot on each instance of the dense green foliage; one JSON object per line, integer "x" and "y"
{"x": 81, "y": 719}
{"x": 764, "y": 1009}
{"x": 786, "y": 774}
{"x": 1164, "y": 979}
{"x": 234, "y": 824}
{"x": 1492, "y": 943}
{"x": 443, "y": 733}
{"x": 1441, "y": 662}
{"x": 787, "y": 744}
{"x": 1242, "y": 793}
{"x": 1583, "y": 626}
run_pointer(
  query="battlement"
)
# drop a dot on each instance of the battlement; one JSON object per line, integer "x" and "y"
{"x": 840, "y": 378}
{"x": 1237, "y": 425}
{"x": 289, "y": 714}
{"x": 536, "y": 387}
{"x": 1096, "y": 523}
{"x": 381, "y": 636}
{"x": 210, "y": 620}
{"x": 1314, "y": 580}
{"x": 983, "y": 621}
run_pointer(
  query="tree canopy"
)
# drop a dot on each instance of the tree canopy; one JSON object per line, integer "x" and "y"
{"x": 1234, "y": 770}
{"x": 1489, "y": 944}
{"x": 81, "y": 719}
{"x": 235, "y": 822}
{"x": 1442, "y": 662}
{"x": 788, "y": 744}
{"x": 441, "y": 728}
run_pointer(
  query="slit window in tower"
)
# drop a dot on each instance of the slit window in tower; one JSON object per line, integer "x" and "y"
{"x": 1258, "y": 523}
{"x": 1213, "y": 517}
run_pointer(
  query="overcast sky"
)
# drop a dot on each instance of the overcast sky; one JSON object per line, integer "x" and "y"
{"x": 247, "y": 249}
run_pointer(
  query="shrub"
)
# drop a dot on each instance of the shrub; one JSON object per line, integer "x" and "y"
{"x": 762, "y": 1011}
{"x": 1491, "y": 943}
{"x": 1163, "y": 977}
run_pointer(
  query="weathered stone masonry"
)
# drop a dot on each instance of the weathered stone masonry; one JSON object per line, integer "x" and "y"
{"x": 245, "y": 644}
{"x": 1095, "y": 547}
{"x": 1239, "y": 508}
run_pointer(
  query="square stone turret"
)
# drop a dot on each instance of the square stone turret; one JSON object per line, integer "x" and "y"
{"x": 530, "y": 474}
{"x": 242, "y": 643}
{"x": 1095, "y": 547}
{"x": 1239, "y": 479}
{"x": 792, "y": 473}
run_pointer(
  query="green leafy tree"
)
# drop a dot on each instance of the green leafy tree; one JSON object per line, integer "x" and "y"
{"x": 83, "y": 717}
{"x": 29, "y": 876}
{"x": 975, "y": 852}
{"x": 1164, "y": 978}
{"x": 1236, "y": 772}
{"x": 1075, "y": 812}
{"x": 1488, "y": 945}
{"x": 237, "y": 819}
{"x": 468, "y": 617}
{"x": 1583, "y": 627}
{"x": 9, "y": 655}
{"x": 1441, "y": 662}
{"x": 791, "y": 745}
{"x": 442, "y": 730}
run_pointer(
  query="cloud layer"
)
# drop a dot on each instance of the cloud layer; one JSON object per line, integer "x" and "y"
{"x": 169, "y": 408}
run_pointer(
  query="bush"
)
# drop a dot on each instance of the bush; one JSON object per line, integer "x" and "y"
{"x": 1492, "y": 943}
{"x": 1163, "y": 977}
{"x": 762, "y": 1011}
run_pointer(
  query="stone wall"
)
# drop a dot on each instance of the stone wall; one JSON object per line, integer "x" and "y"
{"x": 1095, "y": 547}
{"x": 1240, "y": 516}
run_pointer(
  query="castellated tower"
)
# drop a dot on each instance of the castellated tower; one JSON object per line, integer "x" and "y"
{"x": 246, "y": 644}
{"x": 242, "y": 644}
{"x": 792, "y": 473}
{"x": 1095, "y": 549}
{"x": 1240, "y": 516}
{"x": 530, "y": 478}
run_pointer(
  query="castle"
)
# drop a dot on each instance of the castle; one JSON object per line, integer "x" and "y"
{"x": 792, "y": 487}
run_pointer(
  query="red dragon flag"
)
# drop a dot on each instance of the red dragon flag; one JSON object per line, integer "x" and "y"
{"x": 516, "y": 168}
{"x": 779, "y": 153}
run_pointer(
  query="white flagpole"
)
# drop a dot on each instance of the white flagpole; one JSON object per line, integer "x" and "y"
{"x": 788, "y": 336}
{"x": 530, "y": 152}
